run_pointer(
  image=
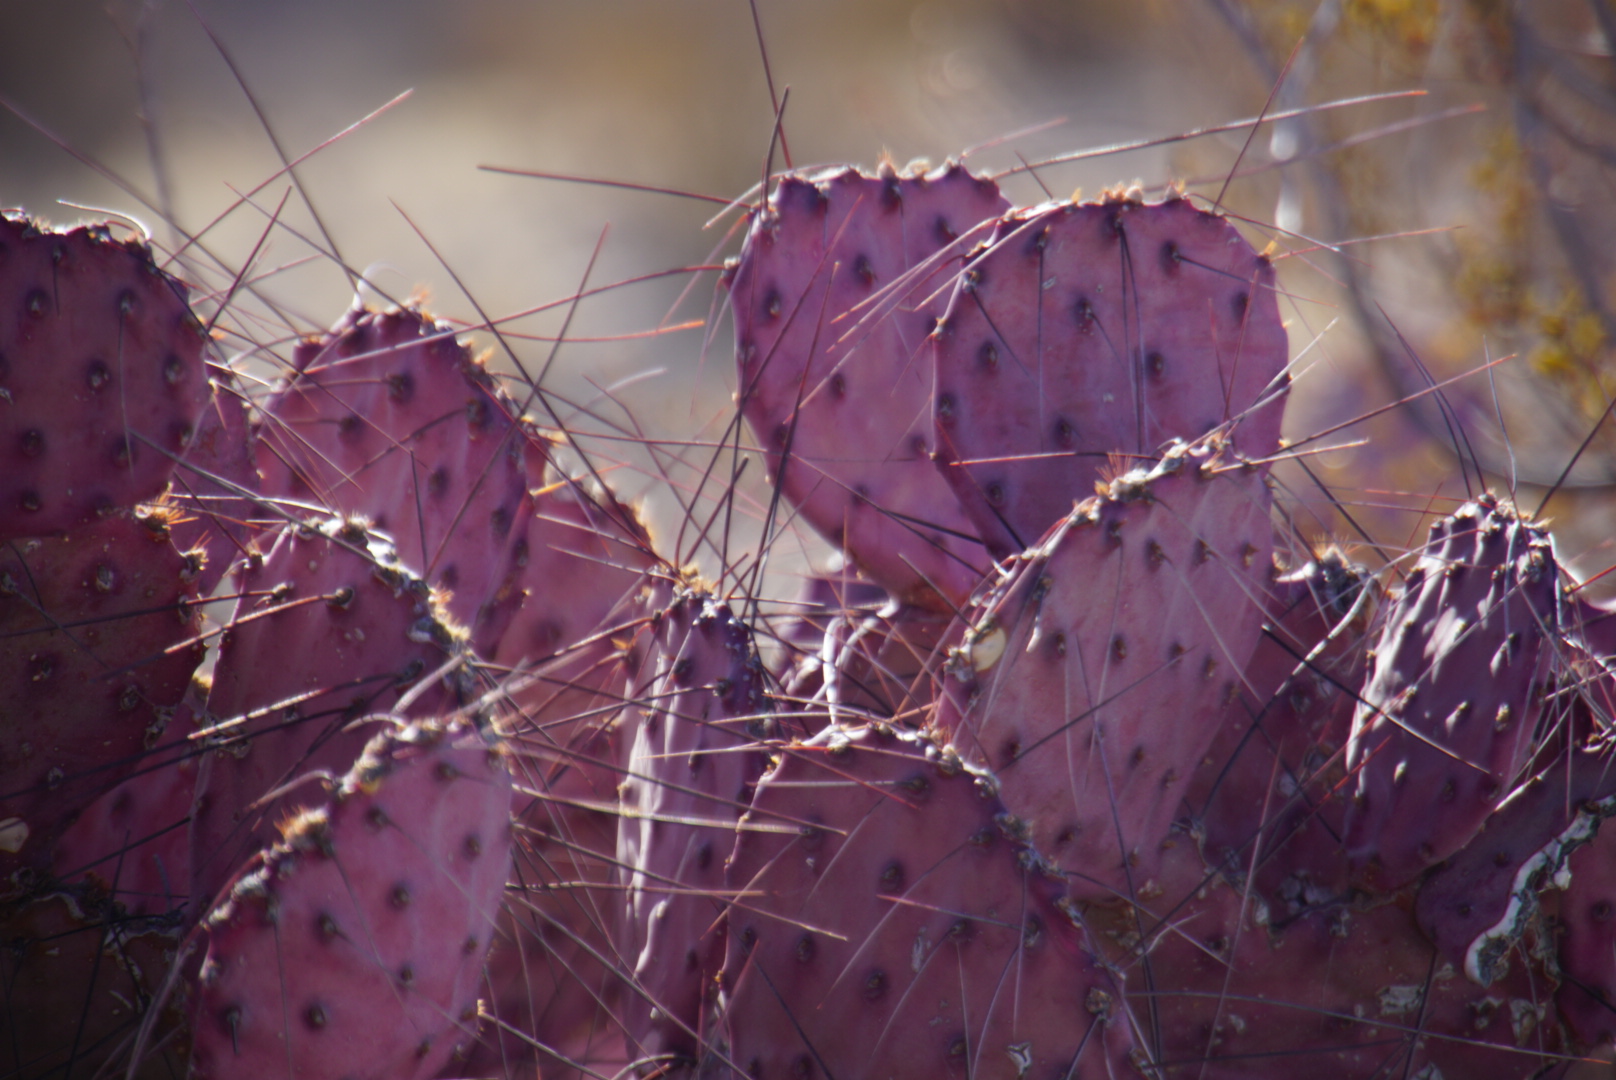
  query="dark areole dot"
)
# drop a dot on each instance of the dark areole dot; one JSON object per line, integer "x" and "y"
{"x": 918, "y": 786}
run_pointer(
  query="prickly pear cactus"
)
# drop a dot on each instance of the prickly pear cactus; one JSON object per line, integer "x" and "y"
{"x": 101, "y": 376}
{"x": 354, "y": 946}
{"x": 98, "y": 640}
{"x": 693, "y": 759}
{"x": 1228, "y": 985}
{"x": 840, "y": 283}
{"x": 1433, "y": 751}
{"x": 1093, "y": 679}
{"x": 389, "y": 416}
{"x": 1487, "y": 897}
{"x": 134, "y": 842}
{"x": 554, "y": 976}
{"x": 1266, "y": 796}
{"x": 890, "y": 920}
{"x": 352, "y": 633}
{"x": 576, "y": 609}
{"x": 1088, "y": 329}
{"x": 583, "y": 602}
{"x": 1138, "y": 799}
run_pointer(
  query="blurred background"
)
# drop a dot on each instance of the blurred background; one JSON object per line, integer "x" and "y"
{"x": 1418, "y": 238}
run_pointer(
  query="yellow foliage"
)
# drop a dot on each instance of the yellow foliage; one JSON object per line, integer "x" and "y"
{"x": 1409, "y": 24}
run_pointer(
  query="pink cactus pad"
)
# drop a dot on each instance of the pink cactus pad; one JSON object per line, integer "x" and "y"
{"x": 134, "y": 841}
{"x": 97, "y": 645}
{"x": 1094, "y": 679}
{"x": 554, "y": 975}
{"x": 1090, "y": 329}
{"x": 327, "y": 636}
{"x": 693, "y": 758}
{"x": 101, "y": 376}
{"x": 1442, "y": 729}
{"x": 1267, "y": 793}
{"x": 354, "y": 947}
{"x": 390, "y": 417}
{"x": 1227, "y": 987}
{"x": 579, "y": 625}
{"x": 580, "y": 570}
{"x": 890, "y": 921}
{"x": 841, "y": 280}
{"x": 1479, "y": 905}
